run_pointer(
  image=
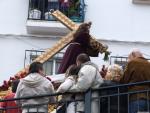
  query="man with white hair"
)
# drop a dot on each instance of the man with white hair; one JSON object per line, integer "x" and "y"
{"x": 137, "y": 70}
{"x": 135, "y": 53}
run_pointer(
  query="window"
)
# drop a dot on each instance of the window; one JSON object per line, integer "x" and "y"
{"x": 58, "y": 62}
{"x": 50, "y": 67}
{"x": 120, "y": 60}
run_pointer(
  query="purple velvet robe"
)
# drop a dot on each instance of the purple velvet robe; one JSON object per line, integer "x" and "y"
{"x": 76, "y": 47}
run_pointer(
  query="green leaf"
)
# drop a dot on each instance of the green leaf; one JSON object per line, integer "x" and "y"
{"x": 106, "y": 55}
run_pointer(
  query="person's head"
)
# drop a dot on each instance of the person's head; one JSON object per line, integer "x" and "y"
{"x": 82, "y": 58}
{"x": 36, "y": 67}
{"x": 114, "y": 72}
{"x": 135, "y": 53}
{"x": 72, "y": 70}
{"x": 83, "y": 28}
{"x": 14, "y": 85}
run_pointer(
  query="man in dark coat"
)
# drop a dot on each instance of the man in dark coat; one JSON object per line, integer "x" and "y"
{"x": 137, "y": 70}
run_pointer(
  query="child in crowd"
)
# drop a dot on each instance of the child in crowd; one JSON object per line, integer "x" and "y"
{"x": 114, "y": 73}
{"x": 71, "y": 78}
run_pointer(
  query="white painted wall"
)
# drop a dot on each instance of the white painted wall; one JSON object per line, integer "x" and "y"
{"x": 119, "y": 19}
{"x": 13, "y": 52}
{"x": 13, "y": 16}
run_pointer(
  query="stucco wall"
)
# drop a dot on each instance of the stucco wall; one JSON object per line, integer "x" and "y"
{"x": 13, "y": 52}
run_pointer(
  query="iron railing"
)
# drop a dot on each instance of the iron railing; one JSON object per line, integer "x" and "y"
{"x": 74, "y": 9}
{"x": 109, "y": 98}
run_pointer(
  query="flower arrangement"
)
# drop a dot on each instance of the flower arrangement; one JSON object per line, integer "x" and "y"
{"x": 7, "y": 84}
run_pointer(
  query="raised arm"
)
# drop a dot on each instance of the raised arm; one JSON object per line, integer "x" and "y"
{"x": 65, "y": 86}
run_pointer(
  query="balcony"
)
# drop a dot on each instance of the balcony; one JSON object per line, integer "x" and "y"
{"x": 41, "y": 22}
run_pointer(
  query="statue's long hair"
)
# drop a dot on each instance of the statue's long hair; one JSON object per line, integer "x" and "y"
{"x": 83, "y": 29}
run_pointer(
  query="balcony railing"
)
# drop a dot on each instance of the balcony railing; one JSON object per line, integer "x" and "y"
{"x": 74, "y": 9}
{"x": 109, "y": 98}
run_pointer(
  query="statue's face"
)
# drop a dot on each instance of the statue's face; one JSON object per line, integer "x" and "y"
{"x": 85, "y": 28}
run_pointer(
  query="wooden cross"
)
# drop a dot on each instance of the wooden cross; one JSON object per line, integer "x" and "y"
{"x": 62, "y": 43}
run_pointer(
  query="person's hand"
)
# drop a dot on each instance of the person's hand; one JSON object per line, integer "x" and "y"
{"x": 103, "y": 71}
{"x": 56, "y": 85}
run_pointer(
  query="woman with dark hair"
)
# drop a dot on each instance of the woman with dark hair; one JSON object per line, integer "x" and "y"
{"x": 36, "y": 67}
{"x": 71, "y": 77}
{"x": 79, "y": 45}
{"x": 35, "y": 84}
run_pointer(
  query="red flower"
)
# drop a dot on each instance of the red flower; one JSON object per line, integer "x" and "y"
{"x": 4, "y": 82}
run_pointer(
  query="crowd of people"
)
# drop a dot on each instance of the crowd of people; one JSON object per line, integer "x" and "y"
{"x": 80, "y": 75}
